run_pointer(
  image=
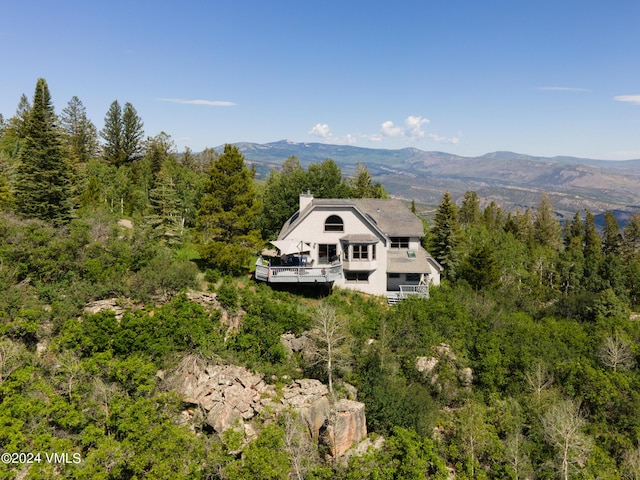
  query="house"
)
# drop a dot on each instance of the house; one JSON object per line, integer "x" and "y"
{"x": 369, "y": 245}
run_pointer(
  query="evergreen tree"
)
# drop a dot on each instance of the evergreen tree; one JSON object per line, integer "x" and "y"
{"x": 492, "y": 217}
{"x": 470, "y": 209}
{"x": 158, "y": 149}
{"x": 42, "y": 187}
{"x": 14, "y": 131}
{"x": 573, "y": 233}
{"x": 520, "y": 225}
{"x": 571, "y": 261}
{"x": 445, "y": 235}
{"x": 325, "y": 180}
{"x": 612, "y": 239}
{"x": 112, "y": 134}
{"x": 481, "y": 268}
{"x": 132, "y": 134}
{"x": 631, "y": 238}
{"x": 122, "y": 134}
{"x": 592, "y": 254}
{"x": 80, "y": 134}
{"x": 362, "y": 185}
{"x": 166, "y": 218}
{"x": 546, "y": 228}
{"x": 227, "y": 213}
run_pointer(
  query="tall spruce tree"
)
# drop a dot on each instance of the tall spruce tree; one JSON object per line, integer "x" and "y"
{"x": 227, "y": 213}
{"x": 132, "y": 134}
{"x": 362, "y": 186}
{"x": 42, "y": 186}
{"x": 546, "y": 228}
{"x": 80, "y": 134}
{"x": 445, "y": 235}
{"x": 122, "y": 134}
{"x": 112, "y": 134}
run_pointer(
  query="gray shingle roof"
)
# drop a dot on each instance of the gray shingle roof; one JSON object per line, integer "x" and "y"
{"x": 390, "y": 216}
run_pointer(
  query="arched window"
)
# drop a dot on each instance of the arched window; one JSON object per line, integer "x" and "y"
{"x": 334, "y": 224}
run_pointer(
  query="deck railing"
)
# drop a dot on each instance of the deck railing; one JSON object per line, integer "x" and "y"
{"x": 408, "y": 290}
{"x": 317, "y": 274}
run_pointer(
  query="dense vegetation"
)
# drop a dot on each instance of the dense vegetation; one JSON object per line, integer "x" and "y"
{"x": 531, "y": 342}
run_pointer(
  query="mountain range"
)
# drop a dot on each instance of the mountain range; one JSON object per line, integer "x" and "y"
{"x": 513, "y": 180}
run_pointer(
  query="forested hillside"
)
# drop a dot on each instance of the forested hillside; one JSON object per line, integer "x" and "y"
{"x": 522, "y": 364}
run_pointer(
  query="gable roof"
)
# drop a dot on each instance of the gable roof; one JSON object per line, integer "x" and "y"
{"x": 389, "y": 216}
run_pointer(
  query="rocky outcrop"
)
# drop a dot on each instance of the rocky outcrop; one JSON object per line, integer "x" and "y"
{"x": 443, "y": 359}
{"x": 303, "y": 345}
{"x": 346, "y": 427}
{"x": 106, "y": 304}
{"x": 231, "y": 396}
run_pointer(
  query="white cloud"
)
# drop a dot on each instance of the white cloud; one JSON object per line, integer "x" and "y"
{"x": 412, "y": 128}
{"x": 208, "y": 103}
{"x": 635, "y": 99}
{"x": 447, "y": 140}
{"x": 348, "y": 139}
{"x": 376, "y": 137}
{"x": 321, "y": 130}
{"x": 388, "y": 130}
{"x": 563, "y": 89}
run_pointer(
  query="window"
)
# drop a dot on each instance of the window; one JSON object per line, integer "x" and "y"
{"x": 373, "y": 251}
{"x": 413, "y": 277}
{"x": 356, "y": 277}
{"x": 394, "y": 275}
{"x": 334, "y": 224}
{"x": 327, "y": 252}
{"x": 360, "y": 251}
{"x": 399, "y": 242}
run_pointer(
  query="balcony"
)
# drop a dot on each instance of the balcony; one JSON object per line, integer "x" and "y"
{"x": 298, "y": 274}
{"x": 406, "y": 291}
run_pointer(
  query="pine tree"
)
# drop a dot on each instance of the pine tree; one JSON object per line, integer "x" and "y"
{"x": 112, "y": 134}
{"x": 80, "y": 134}
{"x": 132, "y": 134}
{"x": 158, "y": 149}
{"x": 445, "y": 235}
{"x": 42, "y": 187}
{"x": 592, "y": 254}
{"x": 631, "y": 238}
{"x": 612, "y": 239}
{"x": 362, "y": 185}
{"x": 14, "y": 131}
{"x": 122, "y": 134}
{"x": 546, "y": 228}
{"x": 227, "y": 213}
{"x": 470, "y": 209}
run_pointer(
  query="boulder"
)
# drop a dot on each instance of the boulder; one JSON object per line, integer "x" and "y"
{"x": 103, "y": 305}
{"x": 346, "y": 427}
{"x": 425, "y": 365}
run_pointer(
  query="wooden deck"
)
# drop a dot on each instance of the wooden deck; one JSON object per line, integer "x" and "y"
{"x": 406, "y": 291}
{"x": 300, "y": 274}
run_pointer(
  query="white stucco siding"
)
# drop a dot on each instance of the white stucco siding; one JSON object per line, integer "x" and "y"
{"x": 311, "y": 229}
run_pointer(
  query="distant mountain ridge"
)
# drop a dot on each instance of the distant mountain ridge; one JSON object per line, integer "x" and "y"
{"x": 513, "y": 180}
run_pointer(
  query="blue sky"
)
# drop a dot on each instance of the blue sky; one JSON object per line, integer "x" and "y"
{"x": 463, "y": 76}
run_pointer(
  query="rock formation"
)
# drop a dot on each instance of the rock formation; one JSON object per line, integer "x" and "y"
{"x": 230, "y": 396}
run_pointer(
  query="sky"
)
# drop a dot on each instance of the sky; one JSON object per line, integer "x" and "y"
{"x": 468, "y": 77}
